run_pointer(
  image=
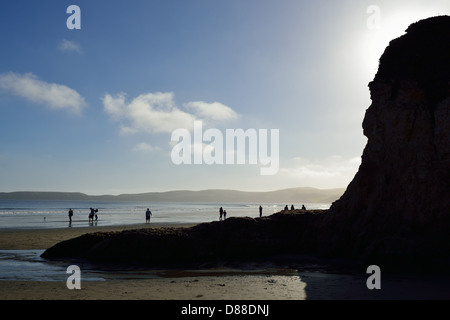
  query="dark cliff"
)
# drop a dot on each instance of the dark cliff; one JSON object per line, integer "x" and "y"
{"x": 397, "y": 208}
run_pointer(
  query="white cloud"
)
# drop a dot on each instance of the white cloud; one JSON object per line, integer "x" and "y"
{"x": 158, "y": 113}
{"x": 150, "y": 112}
{"x": 69, "y": 46}
{"x": 214, "y": 111}
{"x": 124, "y": 130}
{"x": 145, "y": 147}
{"x": 331, "y": 172}
{"x": 52, "y": 95}
{"x": 115, "y": 106}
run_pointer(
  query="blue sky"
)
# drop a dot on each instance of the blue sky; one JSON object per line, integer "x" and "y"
{"x": 92, "y": 109}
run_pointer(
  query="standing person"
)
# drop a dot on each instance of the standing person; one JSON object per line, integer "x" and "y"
{"x": 224, "y": 214}
{"x": 148, "y": 214}
{"x": 70, "y": 215}
{"x": 220, "y": 213}
{"x": 91, "y": 215}
{"x": 260, "y": 211}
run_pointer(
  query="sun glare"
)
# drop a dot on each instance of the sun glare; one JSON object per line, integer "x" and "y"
{"x": 392, "y": 25}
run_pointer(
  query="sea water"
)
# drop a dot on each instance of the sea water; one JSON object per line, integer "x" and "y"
{"x": 37, "y": 214}
{"x": 27, "y": 265}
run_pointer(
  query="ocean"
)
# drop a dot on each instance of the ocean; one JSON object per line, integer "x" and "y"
{"x": 27, "y": 265}
{"x": 38, "y": 214}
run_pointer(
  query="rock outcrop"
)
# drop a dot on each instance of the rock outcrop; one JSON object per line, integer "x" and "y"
{"x": 234, "y": 239}
{"x": 397, "y": 208}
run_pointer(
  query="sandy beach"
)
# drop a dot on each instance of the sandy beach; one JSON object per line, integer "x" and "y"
{"x": 270, "y": 284}
{"x": 23, "y": 239}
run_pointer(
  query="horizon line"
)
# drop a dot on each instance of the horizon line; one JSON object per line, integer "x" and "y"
{"x": 172, "y": 190}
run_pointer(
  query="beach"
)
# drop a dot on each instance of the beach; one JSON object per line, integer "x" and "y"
{"x": 261, "y": 282}
{"x": 179, "y": 285}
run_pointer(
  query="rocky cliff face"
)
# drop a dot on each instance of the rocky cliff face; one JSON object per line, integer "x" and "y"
{"x": 398, "y": 204}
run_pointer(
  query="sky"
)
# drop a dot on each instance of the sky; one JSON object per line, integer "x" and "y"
{"x": 102, "y": 99}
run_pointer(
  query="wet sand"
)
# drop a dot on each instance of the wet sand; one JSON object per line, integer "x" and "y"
{"x": 184, "y": 288}
{"x": 24, "y": 239}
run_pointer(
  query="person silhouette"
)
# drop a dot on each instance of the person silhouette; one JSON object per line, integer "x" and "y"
{"x": 70, "y": 215}
{"x": 260, "y": 211}
{"x": 224, "y": 214}
{"x": 303, "y": 207}
{"x": 148, "y": 214}
{"x": 292, "y": 207}
{"x": 220, "y": 213}
{"x": 91, "y": 215}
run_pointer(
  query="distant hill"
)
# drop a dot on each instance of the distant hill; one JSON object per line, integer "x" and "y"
{"x": 288, "y": 196}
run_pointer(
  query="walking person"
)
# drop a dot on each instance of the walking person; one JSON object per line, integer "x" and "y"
{"x": 148, "y": 214}
{"x": 70, "y": 216}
